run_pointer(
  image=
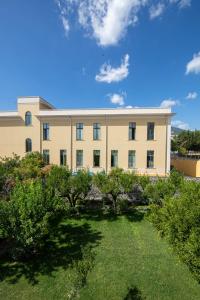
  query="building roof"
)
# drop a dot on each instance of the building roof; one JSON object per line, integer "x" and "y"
{"x": 52, "y": 112}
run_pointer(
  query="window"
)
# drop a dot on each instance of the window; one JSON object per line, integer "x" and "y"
{"x": 63, "y": 157}
{"x": 150, "y": 131}
{"x": 114, "y": 158}
{"x": 79, "y": 158}
{"x": 96, "y": 158}
{"x": 79, "y": 131}
{"x": 131, "y": 158}
{"x": 96, "y": 131}
{"x": 132, "y": 129}
{"x": 28, "y": 118}
{"x": 28, "y": 145}
{"x": 46, "y": 156}
{"x": 46, "y": 131}
{"x": 150, "y": 159}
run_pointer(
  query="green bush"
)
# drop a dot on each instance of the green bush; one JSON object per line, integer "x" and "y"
{"x": 25, "y": 220}
{"x": 179, "y": 221}
{"x": 115, "y": 184}
{"x": 157, "y": 191}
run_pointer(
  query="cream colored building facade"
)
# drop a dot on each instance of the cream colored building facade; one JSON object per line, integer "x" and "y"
{"x": 98, "y": 139}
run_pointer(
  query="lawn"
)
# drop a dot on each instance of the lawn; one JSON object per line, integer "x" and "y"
{"x": 129, "y": 257}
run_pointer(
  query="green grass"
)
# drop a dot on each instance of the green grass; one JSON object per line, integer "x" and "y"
{"x": 130, "y": 256}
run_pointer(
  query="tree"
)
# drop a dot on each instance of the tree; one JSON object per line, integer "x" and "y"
{"x": 78, "y": 187}
{"x": 57, "y": 178}
{"x": 114, "y": 184}
{"x": 25, "y": 220}
{"x": 30, "y": 166}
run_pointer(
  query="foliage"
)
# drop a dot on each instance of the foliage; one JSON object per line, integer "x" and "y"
{"x": 78, "y": 187}
{"x": 187, "y": 140}
{"x": 114, "y": 184}
{"x": 179, "y": 220}
{"x": 57, "y": 179}
{"x": 157, "y": 191}
{"x": 25, "y": 220}
{"x": 30, "y": 166}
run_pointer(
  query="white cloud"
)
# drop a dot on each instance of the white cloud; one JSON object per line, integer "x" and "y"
{"x": 117, "y": 98}
{"x": 107, "y": 21}
{"x": 156, "y": 10}
{"x": 193, "y": 66}
{"x": 192, "y": 95}
{"x": 181, "y": 3}
{"x": 109, "y": 74}
{"x": 129, "y": 106}
{"x": 180, "y": 124}
{"x": 169, "y": 103}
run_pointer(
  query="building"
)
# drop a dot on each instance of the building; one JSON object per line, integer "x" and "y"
{"x": 98, "y": 139}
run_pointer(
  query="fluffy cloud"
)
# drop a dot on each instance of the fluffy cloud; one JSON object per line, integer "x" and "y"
{"x": 169, "y": 103}
{"x": 109, "y": 74}
{"x": 180, "y": 124}
{"x": 156, "y": 10}
{"x": 117, "y": 98}
{"x": 108, "y": 20}
{"x": 192, "y": 95}
{"x": 193, "y": 66}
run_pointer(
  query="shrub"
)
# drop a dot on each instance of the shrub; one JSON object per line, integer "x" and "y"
{"x": 78, "y": 187}
{"x": 114, "y": 184}
{"x": 30, "y": 166}
{"x": 157, "y": 191}
{"x": 179, "y": 220}
{"x": 25, "y": 219}
{"x": 57, "y": 179}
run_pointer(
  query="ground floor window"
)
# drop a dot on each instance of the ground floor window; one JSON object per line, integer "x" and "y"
{"x": 79, "y": 158}
{"x": 131, "y": 159}
{"x": 28, "y": 145}
{"x": 150, "y": 159}
{"x": 96, "y": 158}
{"x": 46, "y": 156}
{"x": 63, "y": 157}
{"x": 114, "y": 158}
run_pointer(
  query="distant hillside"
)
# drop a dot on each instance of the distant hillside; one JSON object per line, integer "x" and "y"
{"x": 176, "y": 130}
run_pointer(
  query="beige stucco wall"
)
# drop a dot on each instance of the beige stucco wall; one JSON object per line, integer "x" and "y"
{"x": 63, "y": 136}
{"x": 190, "y": 167}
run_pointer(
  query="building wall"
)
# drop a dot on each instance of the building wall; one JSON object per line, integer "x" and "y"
{"x": 114, "y": 136}
{"x": 190, "y": 167}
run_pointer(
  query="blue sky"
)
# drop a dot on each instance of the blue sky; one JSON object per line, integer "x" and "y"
{"x": 103, "y": 53}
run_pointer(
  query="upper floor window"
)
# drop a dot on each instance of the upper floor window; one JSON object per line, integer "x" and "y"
{"x": 96, "y": 158}
{"x": 28, "y": 145}
{"x": 96, "y": 131}
{"x": 63, "y": 157}
{"x": 150, "y": 159}
{"x": 79, "y": 158}
{"x": 46, "y": 156}
{"x": 131, "y": 159}
{"x": 28, "y": 118}
{"x": 45, "y": 131}
{"x": 150, "y": 131}
{"x": 114, "y": 158}
{"x": 79, "y": 131}
{"x": 132, "y": 130}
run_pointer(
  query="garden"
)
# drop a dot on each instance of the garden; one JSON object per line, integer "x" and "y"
{"x": 103, "y": 236}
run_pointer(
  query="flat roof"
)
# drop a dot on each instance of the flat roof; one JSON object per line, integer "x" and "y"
{"x": 106, "y": 111}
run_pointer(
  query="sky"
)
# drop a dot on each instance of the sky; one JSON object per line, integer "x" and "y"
{"x": 103, "y": 53}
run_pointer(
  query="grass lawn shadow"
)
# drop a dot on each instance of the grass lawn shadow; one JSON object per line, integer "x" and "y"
{"x": 63, "y": 247}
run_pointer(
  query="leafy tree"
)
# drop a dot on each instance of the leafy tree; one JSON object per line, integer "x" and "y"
{"x": 157, "y": 191}
{"x": 114, "y": 184}
{"x": 78, "y": 187}
{"x": 57, "y": 178}
{"x": 30, "y": 166}
{"x": 25, "y": 220}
